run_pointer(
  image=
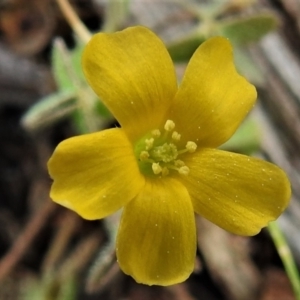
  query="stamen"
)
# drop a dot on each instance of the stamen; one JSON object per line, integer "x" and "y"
{"x": 161, "y": 151}
{"x": 149, "y": 143}
{"x": 156, "y": 133}
{"x": 184, "y": 170}
{"x": 191, "y": 146}
{"x": 176, "y": 136}
{"x": 169, "y": 126}
{"x": 144, "y": 155}
{"x": 156, "y": 168}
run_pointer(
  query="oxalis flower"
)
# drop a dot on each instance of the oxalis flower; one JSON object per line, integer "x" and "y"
{"x": 162, "y": 164}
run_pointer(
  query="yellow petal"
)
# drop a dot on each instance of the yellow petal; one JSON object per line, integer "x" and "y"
{"x": 213, "y": 98}
{"x": 95, "y": 174}
{"x": 156, "y": 242}
{"x": 238, "y": 193}
{"x": 133, "y": 74}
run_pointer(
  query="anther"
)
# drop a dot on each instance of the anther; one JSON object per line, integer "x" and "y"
{"x": 184, "y": 170}
{"x": 176, "y": 136}
{"x": 161, "y": 151}
{"x": 169, "y": 126}
{"x": 144, "y": 155}
{"x": 156, "y": 168}
{"x": 156, "y": 133}
{"x": 149, "y": 143}
{"x": 191, "y": 146}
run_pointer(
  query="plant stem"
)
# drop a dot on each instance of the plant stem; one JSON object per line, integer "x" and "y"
{"x": 74, "y": 21}
{"x": 286, "y": 257}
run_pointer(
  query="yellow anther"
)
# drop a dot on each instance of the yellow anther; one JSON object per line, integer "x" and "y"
{"x": 156, "y": 168}
{"x": 144, "y": 155}
{"x": 149, "y": 143}
{"x": 184, "y": 170}
{"x": 176, "y": 136}
{"x": 169, "y": 126}
{"x": 156, "y": 133}
{"x": 161, "y": 151}
{"x": 191, "y": 146}
{"x": 165, "y": 171}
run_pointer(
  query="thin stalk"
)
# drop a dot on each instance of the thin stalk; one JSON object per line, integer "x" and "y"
{"x": 286, "y": 257}
{"x": 74, "y": 21}
{"x": 25, "y": 239}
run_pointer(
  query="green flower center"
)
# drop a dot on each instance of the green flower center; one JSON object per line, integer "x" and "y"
{"x": 158, "y": 152}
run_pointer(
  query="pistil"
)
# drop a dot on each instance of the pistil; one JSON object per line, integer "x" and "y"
{"x": 162, "y": 153}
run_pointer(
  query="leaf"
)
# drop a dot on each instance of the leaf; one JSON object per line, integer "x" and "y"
{"x": 49, "y": 110}
{"x": 66, "y": 65}
{"x": 60, "y": 65}
{"x": 247, "y": 67}
{"x": 248, "y": 29}
{"x": 246, "y": 139}
{"x": 182, "y": 50}
{"x": 76, "y": 55}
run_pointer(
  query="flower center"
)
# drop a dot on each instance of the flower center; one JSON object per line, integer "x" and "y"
{"x": 158, "y": 153}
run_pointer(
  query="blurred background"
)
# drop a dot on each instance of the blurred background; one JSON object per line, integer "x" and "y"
{"x": 48, "y": 252}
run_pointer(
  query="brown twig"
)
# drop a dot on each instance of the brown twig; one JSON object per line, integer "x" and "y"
{"x": 61, "y": 240}
{"x": 229, "y": 263}
{"x": 25, "y": 239}
{"x": 103, "y": 281}
{"x": 180, "y": 292}
{"x": 80, "y": 256}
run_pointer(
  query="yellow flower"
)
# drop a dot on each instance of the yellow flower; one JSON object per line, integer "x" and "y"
{"x": 162, "y": 165}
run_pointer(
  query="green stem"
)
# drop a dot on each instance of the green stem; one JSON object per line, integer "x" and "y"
{"x": 74, "y": 21}
{"x": 286, "y": 257}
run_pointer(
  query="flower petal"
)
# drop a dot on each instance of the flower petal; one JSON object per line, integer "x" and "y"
{"x": 156, "y": 242}
{"x": 95, "y": 174}
{"x": 213, "y": 98}
{"x": 241, "y": 194}
{"x": 133, "y": 74}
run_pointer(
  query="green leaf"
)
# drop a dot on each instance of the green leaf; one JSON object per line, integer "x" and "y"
{"x": 60, "y": 65}
{"x": 246, "y": 139}
{"x": 182, "y": 50}
{"x": 116, "y": 14}
{"x": 50, "y": 287}
{"x": 68, "y": 289}
{"x": 76, "y": 55}
{"x": 248, "y": 29}
{"x": 66, "y": 65}
{"x": 49, "y": 110}
{"x": 247, "y": 67}
{"x": 102, "y": 110}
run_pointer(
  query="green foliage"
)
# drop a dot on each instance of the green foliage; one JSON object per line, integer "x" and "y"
{"x": 246, "y": 139}
{"x": 49, "y": 110}
{"x": 66, "y": 65}
{"x": 247, "y": 67}
{"x": 49, "y": 288}
{"x": 74, "y": 97}
{"x": 181, "y": 50}
{"x": 286, "y": 256}
{"x": 244, "y": 30}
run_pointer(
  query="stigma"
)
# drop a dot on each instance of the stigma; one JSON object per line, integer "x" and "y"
{"x": 161, "y": 151}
